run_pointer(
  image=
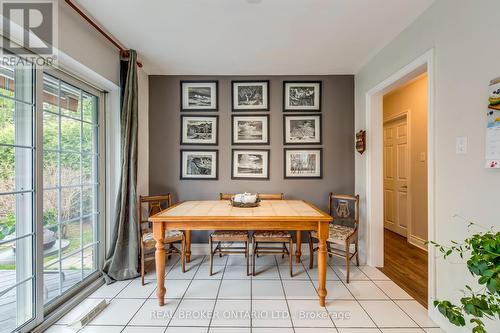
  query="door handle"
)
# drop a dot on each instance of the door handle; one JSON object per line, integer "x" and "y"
{"x": 404, "y": 186}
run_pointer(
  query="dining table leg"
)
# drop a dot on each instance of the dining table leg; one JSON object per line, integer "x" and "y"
{"x": 160, "y": 260}
{"x": 298, "y": 246}
{"x": 188, "y": 245}
{"x": 322, "y": 261}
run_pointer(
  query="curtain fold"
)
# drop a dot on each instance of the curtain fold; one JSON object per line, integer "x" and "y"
{"x": 122, "y": 258}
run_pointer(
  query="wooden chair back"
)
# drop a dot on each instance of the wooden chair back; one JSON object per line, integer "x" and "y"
{"x": 344, "y": 209}
{"x": 279, "y": 196}
{"x": 150, "y": 205}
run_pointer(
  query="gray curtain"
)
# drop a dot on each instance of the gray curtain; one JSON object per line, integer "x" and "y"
{"x": 122, "y": 259}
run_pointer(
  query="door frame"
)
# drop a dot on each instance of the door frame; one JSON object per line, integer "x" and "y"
{"x": 406, "y": 114}
{"x": 374, "y": 162}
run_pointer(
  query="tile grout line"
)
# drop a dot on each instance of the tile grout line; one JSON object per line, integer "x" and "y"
{"x": 310, "y": 279}
{"x": 354, "y": 297}
{"x": 284, "y": 293}
{"x": 251, "y": 286}
{"x": 147, "y": 298}
{"x": 217, "y": 297}
{"x": 184, "y": 294}
{"x": 277, "y": 266}
{"x": 391, "y": 300}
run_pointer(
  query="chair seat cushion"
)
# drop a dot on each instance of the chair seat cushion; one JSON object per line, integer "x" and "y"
{"x": 147, "y": 237}
{"x": 229, "y": 233}
{"x": 271, "y": 234}
{"x": 338, "y": 233}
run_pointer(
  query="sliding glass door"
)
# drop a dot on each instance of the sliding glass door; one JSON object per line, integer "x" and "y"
{"x": 17, "y": 223}
{"x": 71, "y": 185}
{"x": 51, "y": 132}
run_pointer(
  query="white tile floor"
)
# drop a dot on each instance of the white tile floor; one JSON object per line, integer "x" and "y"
{"x": 271, "y": 302}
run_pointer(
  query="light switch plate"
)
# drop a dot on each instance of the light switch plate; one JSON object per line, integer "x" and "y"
{"x": 461, "y": 145}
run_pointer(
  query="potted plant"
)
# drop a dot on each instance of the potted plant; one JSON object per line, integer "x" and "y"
{"x": 482, "y": 252}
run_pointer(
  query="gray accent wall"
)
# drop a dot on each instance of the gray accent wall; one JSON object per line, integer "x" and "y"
{"x": 337, "y": 109}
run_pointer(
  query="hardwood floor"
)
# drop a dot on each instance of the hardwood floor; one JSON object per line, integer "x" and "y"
{"x": 406, "y": 265}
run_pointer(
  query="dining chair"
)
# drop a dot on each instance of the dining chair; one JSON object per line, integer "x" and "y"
{"x": 343, "y": 230}
{"x": 148, "y": 206}
{"x": 272, "y": 237}
{"x": 221, "y": 237}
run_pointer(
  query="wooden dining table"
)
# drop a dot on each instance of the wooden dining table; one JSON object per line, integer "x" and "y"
{"x": 291, "y": 215}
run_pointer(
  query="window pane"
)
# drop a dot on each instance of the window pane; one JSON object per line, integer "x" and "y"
{"x": 89, "y": 105}
{"x": 70, "y": 203}
{"x": 72, "y": 269}
{"x": 17, "y": 256}
{"x": 71, "y": 232}
{"x": 15, "y": 123}
{"x": 50, "y": 212}
{"x": 89, "y": 164}
{"x": 16, "y": 82}
{"x": 89, "y": 261}
{"x": 15, "y": 279}
{"x": 13, "y": 316}
{"x": 89, "y": 197}
{"x": 50, "y": 169}
{"x": 50, "y": 94}
{"x": 70, "y": 169}
{"x": 89, "y": 138}
{"x": 50, "y": 131}
{"x": 51, "y": 277}
{"x": 70, "y": 206}
{"x": 69, "y": 101}
{"x": 70, "y": 134}
{"x": 15, "y": 216}
{"x": 15, "y": 169}
{"x": 6, "y": 80}
{"x": 12, "y": 257}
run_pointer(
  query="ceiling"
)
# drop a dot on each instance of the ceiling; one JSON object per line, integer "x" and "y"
{"x": 255, "y": 37}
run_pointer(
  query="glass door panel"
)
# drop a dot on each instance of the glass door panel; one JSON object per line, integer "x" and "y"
{"x": 17, "y": 238}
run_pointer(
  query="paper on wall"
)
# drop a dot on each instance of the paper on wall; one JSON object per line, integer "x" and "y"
{"x": 493, "y": 127}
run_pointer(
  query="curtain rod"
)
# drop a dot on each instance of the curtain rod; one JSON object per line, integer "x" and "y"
{"x": 123, "y": 52}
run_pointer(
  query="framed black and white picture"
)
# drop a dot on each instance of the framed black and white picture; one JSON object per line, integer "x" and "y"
{"x": 199, "y": 96}
{"x": 302, "y": 96}
{"x": 303, "y": 163}
{"x": 250, "y": 164}
{"x": 301, "y": 129}
{"x": 199, "y": 130}
{"x": 250, "y": 130}
{"x": 199, "y": 164}
{"x": 250, "y": 95}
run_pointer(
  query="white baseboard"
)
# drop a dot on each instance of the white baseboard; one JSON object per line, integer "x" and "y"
{"x": 418, "y": 242}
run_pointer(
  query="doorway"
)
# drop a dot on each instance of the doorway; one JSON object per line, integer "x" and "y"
{"x": 377, "y": 235}
{"x": 405, "y": 186}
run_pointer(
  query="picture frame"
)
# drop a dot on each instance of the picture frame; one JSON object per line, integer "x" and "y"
{"x": 199, "y": 95}
{"x": 199, "y": 130}
{"x": 302, "y": 96}
{"x": 250, "y": 164}
{"x": 303, "y": 163}
{"x": 199, "y": 164}
{"x": 250, "y": 129}
{"x": 250, "y": 95}
{"x": 302, "y": 129}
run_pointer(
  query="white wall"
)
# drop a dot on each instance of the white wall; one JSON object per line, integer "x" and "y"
{"x": 466, "y": 57}
{"x": 84, "y": 44}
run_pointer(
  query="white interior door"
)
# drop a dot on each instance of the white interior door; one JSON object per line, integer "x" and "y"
{"x": 396, "y": 174}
